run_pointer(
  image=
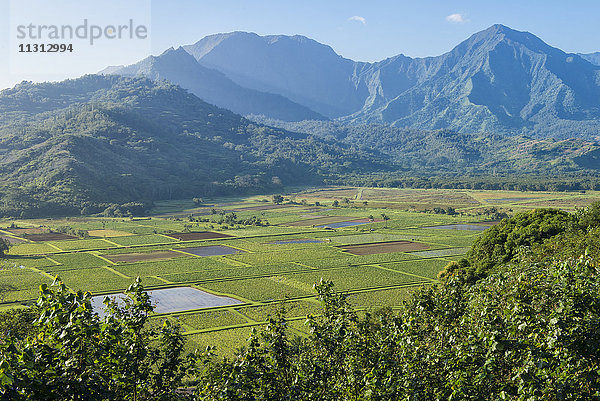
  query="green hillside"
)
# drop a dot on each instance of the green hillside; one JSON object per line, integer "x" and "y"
{"x": 444, "y": 151}
{"x": 81, "y": 144}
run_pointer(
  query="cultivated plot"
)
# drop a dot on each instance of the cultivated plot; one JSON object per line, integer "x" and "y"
{"x": 108, "y": 233}
{"x": 143, "y": 257}
{"x": 385, "y": 247}
{"x": 198, "y": 236}
{"x": 441, "y": 252}
{"x": 177, "y": 299}
{"x": 48, "y": 237}
{"x": 213, "y": 250}
{"x": 298, "y": 241}
{"x": 319, "y": 221}
{"x": 32, "y": 230}
{"x": 465, "y": 227}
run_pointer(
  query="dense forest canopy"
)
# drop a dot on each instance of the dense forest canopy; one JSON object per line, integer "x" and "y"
{"x": 84, "y": 144}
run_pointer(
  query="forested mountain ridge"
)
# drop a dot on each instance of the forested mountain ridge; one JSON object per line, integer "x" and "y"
{"x": 180, "y": 68}
{"x": 499, "y": 80}
{"x": 438, "y": 151}
{"x": 80, "y": 143}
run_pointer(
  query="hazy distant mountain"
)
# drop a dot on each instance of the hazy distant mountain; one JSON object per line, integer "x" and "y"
{"x": 296, "y": 67}
{"x": 179, "y": 67}
{"x": 593, "y": 58}
{"x": 498, "y": 80}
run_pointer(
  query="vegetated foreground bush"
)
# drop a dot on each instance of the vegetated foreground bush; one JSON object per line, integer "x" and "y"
{"x": 530, "y": 332}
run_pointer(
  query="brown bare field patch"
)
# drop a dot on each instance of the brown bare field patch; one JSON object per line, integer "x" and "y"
{"x": 21, "y": 231}
{"x": 142, "y": 257}
{"x": 48, "y": 237}
{"x": 197, "y": 236}
{"x": 108, "y": 233}
{"x": 384, "y": 247}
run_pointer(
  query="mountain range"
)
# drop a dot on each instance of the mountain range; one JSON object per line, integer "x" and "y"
{"x": 499, "y": 80}
{"x": 502, "y": 103}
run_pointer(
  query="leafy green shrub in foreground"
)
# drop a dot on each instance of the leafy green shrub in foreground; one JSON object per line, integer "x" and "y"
{"x": 75, "y": 355}
{"x": 528, "y": 332}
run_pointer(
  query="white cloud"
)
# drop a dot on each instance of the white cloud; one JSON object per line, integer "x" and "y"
{"x": 358, "y": 18}
{"x": 457, "y": 18}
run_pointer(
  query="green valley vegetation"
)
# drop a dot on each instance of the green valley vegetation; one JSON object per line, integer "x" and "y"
{"x": 518, "y": 318}
{"x": 4, "y": 246}
{"x": 116, "y": 144}
{"x": 542, "y": 234}
{"x": 111, "y": 145}
{"x": 451, "y": 156}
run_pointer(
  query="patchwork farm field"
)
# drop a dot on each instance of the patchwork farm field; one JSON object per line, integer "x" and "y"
{"x": 377, "y": 245}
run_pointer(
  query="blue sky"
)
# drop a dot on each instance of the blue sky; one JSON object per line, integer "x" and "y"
{"x": 361, "y": 30}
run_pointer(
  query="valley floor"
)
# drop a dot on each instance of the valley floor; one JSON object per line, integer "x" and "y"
{"x": 407, "y": 237}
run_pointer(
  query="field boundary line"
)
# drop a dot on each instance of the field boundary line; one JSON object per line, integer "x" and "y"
{"x": 290, "y": 282}
{"x": 238, "y": 326}
{"x": 103, "y": 258}
{"x": 185, "y": 253}
{"x": 223, "y": 294}
{"x": 236, "y": 263}
{"x": 408, "y": 274}
{"x": 435, "y": 257}
{"x": 170, "y": 238}
{"x": 110, "y": 269}
{"x": 266, "y": 275}
{"x": 171, "y": 243}
{"x": 303, "y": 265}
{"x": 11, "y": 235}
{"x": 164, "y": 280}
{"x": 248, "y": 303}
{"x": 248, "y": 318}
{"x": 240, "y": 249}
{"x": 43, "y": 273}
{"x": 54, "y": 246}
{"x": 53, "y": 261}
{"x": 110, "y": 242}
{"x": 355, "y": 291}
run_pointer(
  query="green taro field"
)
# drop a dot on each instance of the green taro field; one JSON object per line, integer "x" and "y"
{"x": 264, "y": 267}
